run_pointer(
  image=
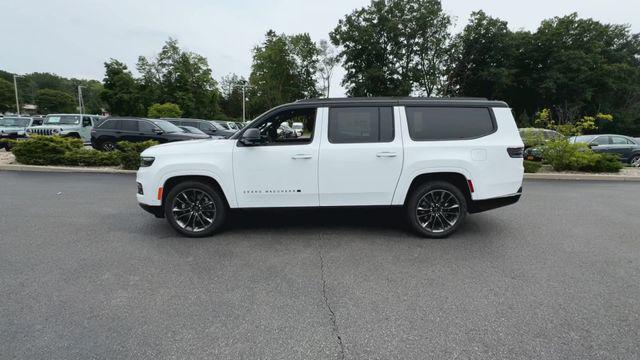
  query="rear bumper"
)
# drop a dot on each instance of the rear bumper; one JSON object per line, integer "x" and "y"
{"x": 155, "y": 210}
{"x": 478, "y": 206}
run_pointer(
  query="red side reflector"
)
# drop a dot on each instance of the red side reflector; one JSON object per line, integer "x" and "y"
{"x": 468, "y": 183}
{"x": 160, "y": 193}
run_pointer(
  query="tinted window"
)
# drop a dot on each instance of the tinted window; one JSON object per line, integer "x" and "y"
{"x": 361, "y": 125}
{"x": 146, "y": 127}
{"x": 129, "y": 125}
{"x": 205, "y": 125}
{"x": 601, "y": 140}
{"x": 110, "y": 125}
{"x": 442, "y": 123}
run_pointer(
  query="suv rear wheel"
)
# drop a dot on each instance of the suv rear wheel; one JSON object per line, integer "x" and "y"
{"x": 436, "y": 209}
{"x": 194, "y": 209}
{"x": 107, "y": 145}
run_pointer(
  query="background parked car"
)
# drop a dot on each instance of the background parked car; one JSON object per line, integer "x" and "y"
{"x": 627, "y": 148}
{"x": 106, "y": 135}
{"x": 533, "y": 138}
{"x": 15, "y": 127}
{"x": 70, "y": 125}
{"x": 208, "y": 127}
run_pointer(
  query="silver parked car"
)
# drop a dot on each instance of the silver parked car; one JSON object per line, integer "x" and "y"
{"x": 69, "y": 125}
{"x": 15, "y": 127}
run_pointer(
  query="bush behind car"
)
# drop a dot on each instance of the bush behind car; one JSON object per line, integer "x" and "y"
{"x": 563, "y": 156}
{"x": 56, "y": 150}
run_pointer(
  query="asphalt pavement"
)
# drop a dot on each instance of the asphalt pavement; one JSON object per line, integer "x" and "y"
{"x": 86, "y": 274}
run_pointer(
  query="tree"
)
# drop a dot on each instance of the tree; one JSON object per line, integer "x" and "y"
{"x": 327, "y": 62}
{"x": 121, "y": 93}
{"x": 54, "y": 101}
{"x": 483, "y": 64}
{"x": 180, "y": 77}
{"x": 394, "y": 47}
{"x": 166, "y": 110}
{"x": 283, "y": 70}
{"x": 7, "y": 96}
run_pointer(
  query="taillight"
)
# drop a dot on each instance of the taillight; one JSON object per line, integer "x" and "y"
{"x": 516, "y": 152}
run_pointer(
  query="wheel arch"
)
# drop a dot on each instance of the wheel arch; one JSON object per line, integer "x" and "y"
{"x": 171, "y": 182}
{"x": 457, "y": 179}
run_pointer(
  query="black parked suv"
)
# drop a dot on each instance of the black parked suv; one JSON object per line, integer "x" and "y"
{"x": 111, "y": 130}
{"x": 208, "y": 127}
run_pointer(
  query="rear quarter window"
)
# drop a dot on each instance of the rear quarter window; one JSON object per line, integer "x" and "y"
{"x": 449, "y": 123}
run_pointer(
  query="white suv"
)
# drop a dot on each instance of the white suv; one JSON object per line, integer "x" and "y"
{"x": 440, "y": 159}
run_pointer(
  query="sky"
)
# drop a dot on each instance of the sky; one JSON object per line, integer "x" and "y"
{"x": 73, "y": 38}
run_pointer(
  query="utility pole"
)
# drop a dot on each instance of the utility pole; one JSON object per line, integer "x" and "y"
{"x": 15, "y": 87}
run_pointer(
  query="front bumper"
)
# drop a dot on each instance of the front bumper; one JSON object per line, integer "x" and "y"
{"x": 478, "y": 206}
{"x": 155, "y": 210}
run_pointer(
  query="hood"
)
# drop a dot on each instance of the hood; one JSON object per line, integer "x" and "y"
{"x": 56, "y": 126}
{"x": 184, "y": 147}
{"x": 11, "y": 129}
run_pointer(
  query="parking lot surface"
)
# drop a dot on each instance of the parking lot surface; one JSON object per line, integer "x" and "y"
{"x": 85, "y": 273}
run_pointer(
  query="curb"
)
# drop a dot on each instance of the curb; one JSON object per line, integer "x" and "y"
{"x": 84, "y": 170}
{"x": 581, "y": 177}
{"x": 64, "y": 169}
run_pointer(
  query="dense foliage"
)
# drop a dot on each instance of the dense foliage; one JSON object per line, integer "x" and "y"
{"x": 56, "y": 150}
{"x": 569, "y": 70}
{"x": 166, "y": 110}
{"x": 531, "y": 166}
{"x": 562, "y": 155}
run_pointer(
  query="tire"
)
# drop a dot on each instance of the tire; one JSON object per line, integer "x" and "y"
{"x": 107, "y": 145}
{"x": 198, "y": 221}
{"x": 436, "y": 209}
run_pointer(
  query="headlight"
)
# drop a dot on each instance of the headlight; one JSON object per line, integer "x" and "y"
{"x": 28, "y": 130}
{"x": 55, "y": 131}
{"x": 146, "y": 161}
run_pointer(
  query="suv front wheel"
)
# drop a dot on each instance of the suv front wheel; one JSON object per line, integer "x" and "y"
{"x": 436, "y": 209}
{"x": 194, "y": 209}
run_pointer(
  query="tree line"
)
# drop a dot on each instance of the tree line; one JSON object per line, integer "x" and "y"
{"x": 569, "y": 67}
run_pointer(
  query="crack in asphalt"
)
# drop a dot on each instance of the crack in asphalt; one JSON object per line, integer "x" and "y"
{"x": 332, "y": 314}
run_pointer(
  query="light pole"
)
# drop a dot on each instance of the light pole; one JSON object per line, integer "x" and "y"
{"x": 15, "y": 87}
{"x": 244, "y": 98}
{"x": 80, "y": 101}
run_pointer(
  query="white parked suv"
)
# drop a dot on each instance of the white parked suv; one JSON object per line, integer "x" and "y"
{"x": 438, "y": 158}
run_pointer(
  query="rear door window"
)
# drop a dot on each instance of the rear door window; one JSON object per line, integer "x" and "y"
{"x": 110, "y": 125}
{"x": 129, "y": 125}
{"x": 448, "y": 123}
{"x": 360, "y": 125}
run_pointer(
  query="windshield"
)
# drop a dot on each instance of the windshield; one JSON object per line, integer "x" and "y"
{"x": 62, "y": 120}
{"x": 167, "y": 126}
{"x": 17, "y": 122}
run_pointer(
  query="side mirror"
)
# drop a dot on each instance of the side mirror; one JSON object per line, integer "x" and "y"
{"x": 158, "y": 131}
{"x": 251, "y": 137}
{"x": 593, "y": 144}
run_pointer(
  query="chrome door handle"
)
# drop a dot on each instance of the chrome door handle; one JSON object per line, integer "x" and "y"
{"x": 386, "y": 154}
{"x": 302, "y": 156}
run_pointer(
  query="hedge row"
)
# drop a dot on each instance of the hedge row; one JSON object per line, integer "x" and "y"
{"x": 56, "y": 150}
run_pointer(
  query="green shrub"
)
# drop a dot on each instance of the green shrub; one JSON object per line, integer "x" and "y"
{"x": 45, "y": 150}
{"x": 129, "y": 153}
{"x": 56, "y": 150}
{"x": 532, "y": 137}
{"x": 531, "y": 166}
{"x": 90, "y": 157}
{"x": 562, "y": 155}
